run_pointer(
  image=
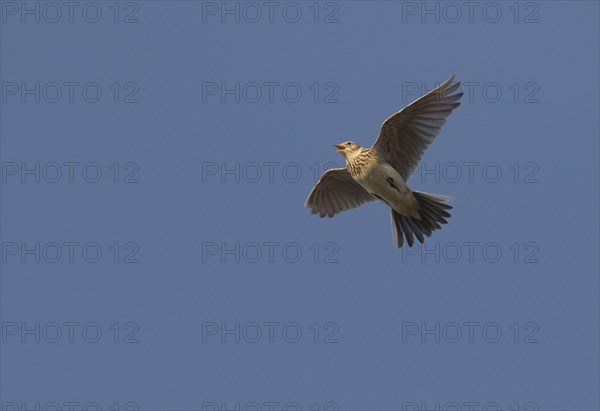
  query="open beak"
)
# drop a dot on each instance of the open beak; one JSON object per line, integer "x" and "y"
{"x": 340, "y": 147}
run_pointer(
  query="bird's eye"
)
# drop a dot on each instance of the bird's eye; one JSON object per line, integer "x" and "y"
{"x": 348, "y": 143}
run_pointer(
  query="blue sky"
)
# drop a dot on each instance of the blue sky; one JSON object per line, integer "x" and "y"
{"x": 156, "y": 157}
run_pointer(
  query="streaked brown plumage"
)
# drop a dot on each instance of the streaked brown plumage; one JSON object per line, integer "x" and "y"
{"x": 381, "y": 172}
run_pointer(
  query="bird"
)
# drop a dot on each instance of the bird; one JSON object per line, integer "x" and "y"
{"x": 381, "y": 172}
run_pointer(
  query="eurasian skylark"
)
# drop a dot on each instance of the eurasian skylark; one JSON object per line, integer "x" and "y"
{"x": 381, "y": 172}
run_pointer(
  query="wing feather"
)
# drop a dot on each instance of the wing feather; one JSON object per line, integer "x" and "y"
{"x": 405, "y": 135}
{"x": 335, "y": 192}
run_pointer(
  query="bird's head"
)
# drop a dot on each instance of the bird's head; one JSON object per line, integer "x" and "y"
{"x": 348, "y": 149}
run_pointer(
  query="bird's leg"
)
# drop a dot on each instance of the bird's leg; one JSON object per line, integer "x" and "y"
{"x": 391, "y": 183}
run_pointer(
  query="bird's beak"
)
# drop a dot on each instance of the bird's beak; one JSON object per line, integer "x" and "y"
{"x": 340, "y": 147}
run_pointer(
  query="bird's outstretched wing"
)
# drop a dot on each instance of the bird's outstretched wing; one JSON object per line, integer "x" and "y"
{"x": 335, "y": 192}
{"x": 404, "y": 136}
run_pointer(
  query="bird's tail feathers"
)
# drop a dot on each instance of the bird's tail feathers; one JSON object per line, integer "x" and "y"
{"x": 433, "y": 212}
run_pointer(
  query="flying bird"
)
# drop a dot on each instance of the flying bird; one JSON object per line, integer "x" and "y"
{"x": 382, "y": 171}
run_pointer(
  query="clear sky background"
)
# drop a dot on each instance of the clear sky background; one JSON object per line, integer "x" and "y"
{"x": 215, "y": 285}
